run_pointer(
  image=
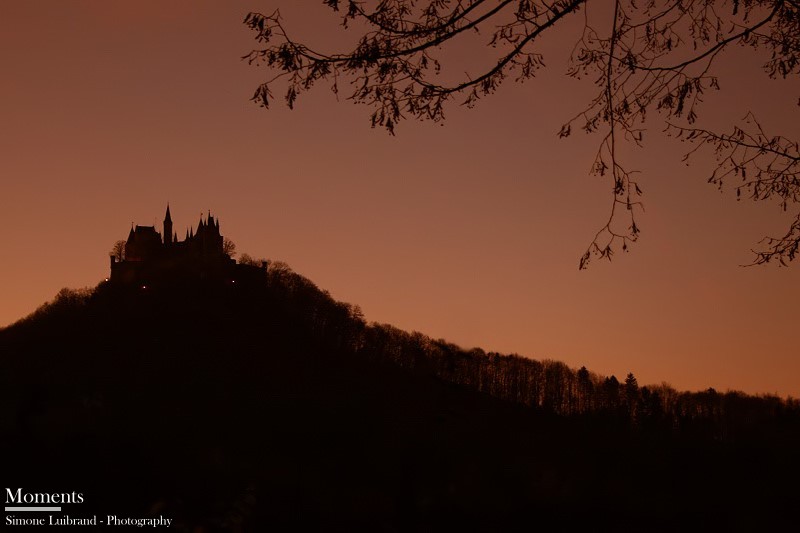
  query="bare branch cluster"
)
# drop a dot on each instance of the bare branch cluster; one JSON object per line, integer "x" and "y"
{"x": 393, "y": 67}
{"x": 763, "y": 167}
{"x": 648, "y": 56}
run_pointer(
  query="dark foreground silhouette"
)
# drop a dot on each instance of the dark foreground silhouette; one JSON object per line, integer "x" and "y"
{"x": 268, "y": 406}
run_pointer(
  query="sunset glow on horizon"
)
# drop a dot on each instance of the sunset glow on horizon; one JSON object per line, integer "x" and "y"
{"x": 468, "y": 230}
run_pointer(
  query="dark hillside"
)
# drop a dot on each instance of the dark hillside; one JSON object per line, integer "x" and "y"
{"x": 272, "y": 407}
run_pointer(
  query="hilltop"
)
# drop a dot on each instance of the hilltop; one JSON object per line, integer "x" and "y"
{"x": 267, "y": 403}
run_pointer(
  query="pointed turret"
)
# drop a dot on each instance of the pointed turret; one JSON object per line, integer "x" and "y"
{"x": 168, "y": 228}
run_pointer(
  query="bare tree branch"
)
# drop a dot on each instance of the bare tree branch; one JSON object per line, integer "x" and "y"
{"x": 657, "y": 55}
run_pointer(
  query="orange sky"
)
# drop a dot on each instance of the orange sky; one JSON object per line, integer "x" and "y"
{"x": 470, "y": 231}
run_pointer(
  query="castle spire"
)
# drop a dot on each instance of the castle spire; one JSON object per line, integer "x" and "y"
{"x": 168, "y": 228}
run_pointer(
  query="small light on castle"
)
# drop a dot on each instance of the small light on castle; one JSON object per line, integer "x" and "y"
{"x": 106, "y": 279}
{"x": 144, "y": 286}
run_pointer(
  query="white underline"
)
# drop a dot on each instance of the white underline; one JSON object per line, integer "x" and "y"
{"x": 33, "y": 508}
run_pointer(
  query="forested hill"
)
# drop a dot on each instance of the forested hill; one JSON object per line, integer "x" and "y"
{"x": 269, "y": 403}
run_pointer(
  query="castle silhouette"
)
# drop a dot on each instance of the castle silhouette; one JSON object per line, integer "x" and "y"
{"x": 153, "y": 259}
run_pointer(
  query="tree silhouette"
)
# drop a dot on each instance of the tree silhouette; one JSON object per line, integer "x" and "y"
{"x": 118, "y": 250}
{"x": 585, "y": 390}
{"x": 632, "y": 395}
{"x": 306, "y": 412}
{"x": 645, "y": 58}
{"x": 229, "y": 247}
{"x": 611, "y": 393}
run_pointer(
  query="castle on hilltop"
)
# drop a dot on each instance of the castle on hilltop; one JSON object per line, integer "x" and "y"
{"x": 151, "y": 257}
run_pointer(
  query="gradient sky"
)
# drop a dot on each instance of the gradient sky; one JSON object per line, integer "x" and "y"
{"x": 469, "y": 231}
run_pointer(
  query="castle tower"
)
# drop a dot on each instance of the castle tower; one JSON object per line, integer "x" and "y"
{"x": 167, "y": 228}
